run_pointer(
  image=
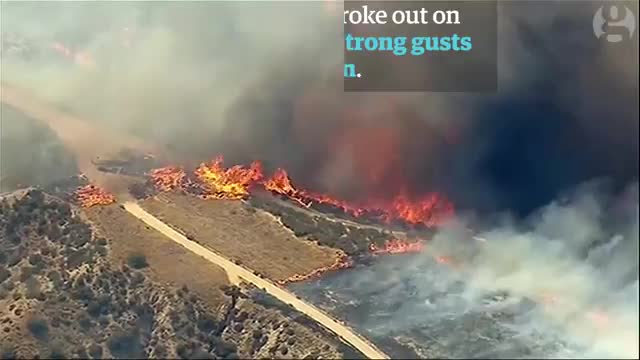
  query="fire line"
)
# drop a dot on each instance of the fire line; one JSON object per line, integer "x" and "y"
{"x": 214, "y": 181}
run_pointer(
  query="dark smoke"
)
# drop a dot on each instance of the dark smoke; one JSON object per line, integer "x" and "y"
{"x": 203, "y": 84}
{"x": 580, "y": 252}
{"x": 262, "y": 82}
{"x": 567, "y": 113}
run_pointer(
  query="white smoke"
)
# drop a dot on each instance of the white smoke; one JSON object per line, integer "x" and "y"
{"x": 561, "y": 284}
{"x": 577, "y": 256}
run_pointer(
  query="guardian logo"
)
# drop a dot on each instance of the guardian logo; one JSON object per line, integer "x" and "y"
{"x": 615, "y": 23}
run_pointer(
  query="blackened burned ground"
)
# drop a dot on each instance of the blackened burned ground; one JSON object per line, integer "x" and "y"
{"x": 61, "y": 295}
{"x": 385, "y": 303}
{"x": 141, "y": 191}
{"x": 415, "y": 308}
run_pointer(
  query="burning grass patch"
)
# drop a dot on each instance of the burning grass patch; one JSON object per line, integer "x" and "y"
{"x": 214, "y": 181}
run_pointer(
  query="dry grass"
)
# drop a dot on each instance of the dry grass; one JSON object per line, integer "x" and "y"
{"x": 252, "y": 237}
{"x": 169, "y": 263}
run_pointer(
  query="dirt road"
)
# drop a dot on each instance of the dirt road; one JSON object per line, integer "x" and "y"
{"x": 237, "y": 272}
{"x": 86, "y": 140}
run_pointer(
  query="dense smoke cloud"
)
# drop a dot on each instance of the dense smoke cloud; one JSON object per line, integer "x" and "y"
{"x": 581, "y": 254}
{"x": 167, "y": 71}
{"x": 260, "y": 81}
{"x": 577, "y": 258}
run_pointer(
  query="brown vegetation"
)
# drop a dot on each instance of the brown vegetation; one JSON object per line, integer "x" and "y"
{"x": 240, "y": 233}
{"x": 69, "y": 291}
{"x": 168, "y": 262}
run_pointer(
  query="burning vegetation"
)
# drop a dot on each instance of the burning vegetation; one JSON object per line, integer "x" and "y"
{"x": 167, "y": 178}
{"x": 232, "y": 183}
{"x": 429, "y": 210}
{"x": 213, "y": 181}
{"x": 342, "y": 262}
{"x": 397, "y": 246}
{"x": 92, "y": 195}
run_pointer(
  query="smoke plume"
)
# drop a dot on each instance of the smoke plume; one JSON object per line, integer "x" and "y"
{"x": 259, "y": 81}
{"x": 562, "y": 283}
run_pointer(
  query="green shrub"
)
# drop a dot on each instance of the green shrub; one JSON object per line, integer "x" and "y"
{"x": 38, "y": 328}
{"x": 8, "y": 353}
{"x": 125, "y": 345}
{"x": 95, "y": 351}
{"x": 4, "y": 274}
{"x": 137, "y": 261}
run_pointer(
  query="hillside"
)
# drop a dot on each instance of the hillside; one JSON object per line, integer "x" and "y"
{"x": 72, "y": 288}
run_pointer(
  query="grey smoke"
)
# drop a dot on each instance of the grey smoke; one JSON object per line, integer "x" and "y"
{"x": 259, "y": 81}
{"x": 205, "y": 78}
{"x": 562, "y": 283}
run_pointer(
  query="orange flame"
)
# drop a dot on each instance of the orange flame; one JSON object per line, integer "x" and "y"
{"x": 430, "y": 210}
{"x": 342, "y": 262}
{"x": 167, "y": 178}
{"x": 397, "y": 246}
{"x": 232, "y": 183}
{"x": 91, "y": 195}
{"x": 235, "y": 183}
{"x": 280, "y": 183}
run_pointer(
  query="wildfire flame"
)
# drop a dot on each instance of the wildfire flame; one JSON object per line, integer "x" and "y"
{"x": 397, "y": 246}
{"x": 236, "y": 182}
{"x": 342, "y": 262}
{"x": 91, "y": 195}
{"x": 167, "y": 178}
{"x": 430, "y": 210}
{"x": 213, "y": 181}
{"x": 281, "y": 184}
{"x": 232, "y": 183}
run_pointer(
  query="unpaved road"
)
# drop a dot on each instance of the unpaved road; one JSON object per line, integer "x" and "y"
{"x": 236, "y": 272}
{"x": 87, "y": 141}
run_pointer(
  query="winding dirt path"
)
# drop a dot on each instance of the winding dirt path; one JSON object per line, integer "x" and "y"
{"x": 86, "y": 140}
{"x": 237, "y": 272}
